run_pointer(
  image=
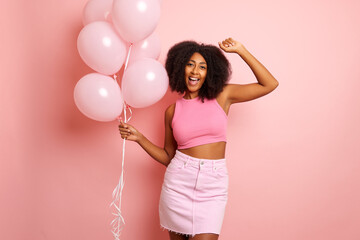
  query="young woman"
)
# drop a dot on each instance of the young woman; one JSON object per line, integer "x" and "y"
{"x": 194, "y": 191}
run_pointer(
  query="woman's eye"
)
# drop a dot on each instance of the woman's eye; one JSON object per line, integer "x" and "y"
{"x": 202, "y": 67}
{"x": 189, "y": 64}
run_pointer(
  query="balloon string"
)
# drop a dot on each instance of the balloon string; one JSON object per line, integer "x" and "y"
{"x": 119, "y": 222}
{"x": 126, "y": 64}
{"x": 128, "y": 56}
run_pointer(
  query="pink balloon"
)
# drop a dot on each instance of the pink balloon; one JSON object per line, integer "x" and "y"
{"x": 101, "y": 48}
{"x": 135, "y": 20}
{"x": 144, "y": 83}
{"x": 98, "y": 97}
{"x": 97, "y": 10}
{"x": 149, "y": 47}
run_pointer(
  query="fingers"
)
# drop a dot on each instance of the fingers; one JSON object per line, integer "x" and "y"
{"x": 124, "y": 130}
{"x": 124, "y": 125}
{"x": 228, "y": 42}
{"x": 127, "y": 131}
{"x": 221, "y": 46}
{"x": 125, "y": 134}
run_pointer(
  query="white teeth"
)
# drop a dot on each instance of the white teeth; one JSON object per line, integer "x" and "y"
{"x": 194, "y": 79}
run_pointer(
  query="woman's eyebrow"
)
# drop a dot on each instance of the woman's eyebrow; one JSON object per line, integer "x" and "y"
{"x": 195, "y": 62}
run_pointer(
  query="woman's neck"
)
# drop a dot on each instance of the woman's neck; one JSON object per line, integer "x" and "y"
{"x": 189, "y": 95}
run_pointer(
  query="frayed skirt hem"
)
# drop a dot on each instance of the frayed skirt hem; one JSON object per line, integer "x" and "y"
{"x": 176, "y": 232}
{"x": 182, "y": 233}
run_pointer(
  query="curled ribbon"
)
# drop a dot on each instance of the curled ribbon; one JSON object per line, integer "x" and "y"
{"x": 118, "y": 223}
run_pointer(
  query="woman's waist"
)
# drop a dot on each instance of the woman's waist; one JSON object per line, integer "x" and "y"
{"x": 210, "y": 151}
{"x": 182, "y": 159}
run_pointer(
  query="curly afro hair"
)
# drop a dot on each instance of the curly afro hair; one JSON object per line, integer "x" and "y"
{"x": 218, "y": 68}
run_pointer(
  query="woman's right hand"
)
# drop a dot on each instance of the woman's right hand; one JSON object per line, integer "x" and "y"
{"x": 128, "y": 132}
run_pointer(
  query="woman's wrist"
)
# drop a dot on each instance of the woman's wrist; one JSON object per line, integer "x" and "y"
{"x": 140, "y": 138}
{"x": 241, "y": 50}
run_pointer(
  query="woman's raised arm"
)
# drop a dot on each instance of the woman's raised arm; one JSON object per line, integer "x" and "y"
{"x": 246, "y": 92}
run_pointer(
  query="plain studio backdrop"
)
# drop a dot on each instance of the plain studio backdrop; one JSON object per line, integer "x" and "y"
{"x": 293, "y": 155}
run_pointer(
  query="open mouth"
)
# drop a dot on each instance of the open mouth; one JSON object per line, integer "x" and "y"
{"x": 193, "y": 81}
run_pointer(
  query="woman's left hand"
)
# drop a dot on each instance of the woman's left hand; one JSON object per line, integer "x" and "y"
{"x": 231, "y": 46}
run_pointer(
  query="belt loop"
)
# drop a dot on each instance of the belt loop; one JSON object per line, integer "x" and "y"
{"x": 187, "y": 160}
{"x": 213, "y": 166}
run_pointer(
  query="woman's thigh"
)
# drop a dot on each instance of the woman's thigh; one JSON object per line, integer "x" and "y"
{"x": 205, "y": 236}
{"x": 176, "y": 236}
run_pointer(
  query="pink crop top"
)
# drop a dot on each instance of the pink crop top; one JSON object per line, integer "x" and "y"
{"x": 196, "y": 123}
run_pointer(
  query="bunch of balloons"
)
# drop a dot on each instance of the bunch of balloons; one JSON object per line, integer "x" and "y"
{"x": 118, "y": 32}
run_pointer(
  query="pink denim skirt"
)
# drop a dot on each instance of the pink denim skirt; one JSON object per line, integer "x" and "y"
{"x": 194, "y": 195}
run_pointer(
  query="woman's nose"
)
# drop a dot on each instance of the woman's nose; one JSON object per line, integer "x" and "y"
{"x": 194, "y": 70}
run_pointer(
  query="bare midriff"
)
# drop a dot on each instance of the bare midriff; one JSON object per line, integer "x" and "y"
{"x": 208, "y": 151}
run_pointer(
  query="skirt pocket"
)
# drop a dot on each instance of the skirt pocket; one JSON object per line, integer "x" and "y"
{"x": 221, "y": 172}
{"x": 175, "y": 166}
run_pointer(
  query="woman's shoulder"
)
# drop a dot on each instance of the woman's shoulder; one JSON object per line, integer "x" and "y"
{"x": 169, "y": 114}
{"x": 171, "y": 107}
{"x": 170, "y": 110}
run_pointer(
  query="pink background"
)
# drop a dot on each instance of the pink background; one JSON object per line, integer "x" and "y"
{"x": 293, "y": 155}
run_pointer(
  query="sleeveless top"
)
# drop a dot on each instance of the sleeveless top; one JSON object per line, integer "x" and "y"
{"x": 196, "y": 123}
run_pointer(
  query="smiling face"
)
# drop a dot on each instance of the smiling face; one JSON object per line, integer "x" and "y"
{"x": 195, "y": 72}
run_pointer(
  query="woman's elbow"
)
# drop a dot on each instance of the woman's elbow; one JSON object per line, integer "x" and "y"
{"x": 275, "y": 84}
